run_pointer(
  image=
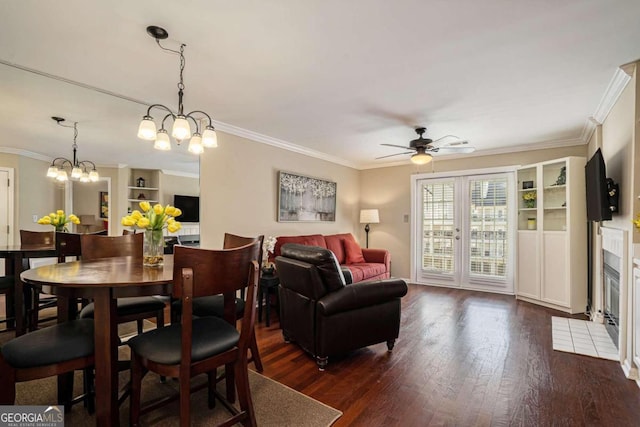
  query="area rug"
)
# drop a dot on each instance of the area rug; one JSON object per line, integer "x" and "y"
{"x": 275, "y": 404}
{"x": 582, "y": 337}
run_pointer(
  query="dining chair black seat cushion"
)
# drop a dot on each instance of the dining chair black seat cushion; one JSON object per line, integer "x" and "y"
{"x": 211, "y": 336}
{"x": 212, "y": 305}
{"x": 51, "y": 345}
{"x": 128, "y": 306}
{"x": 7, "y": 282}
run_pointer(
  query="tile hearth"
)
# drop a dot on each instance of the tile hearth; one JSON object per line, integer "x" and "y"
{"x": 582, "y": 337}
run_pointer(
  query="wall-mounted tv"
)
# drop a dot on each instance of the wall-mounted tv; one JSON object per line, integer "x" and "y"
{"x": 602, "y": 193}
{"x": 190, "y": 207}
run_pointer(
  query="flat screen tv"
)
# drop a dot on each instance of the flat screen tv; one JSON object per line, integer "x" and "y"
{"x": 190, "y": 207}
{"x": 598, "y": 207}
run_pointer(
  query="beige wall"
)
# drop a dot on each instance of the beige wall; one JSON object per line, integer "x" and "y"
{"x": 174, "y": 184}
{"x": 618, "y": 152}
{"x": 239, "y": 191}
{"x": 86, "y": 201}
{"x": 389, "y": 190}
{"x": 35, "y": 194}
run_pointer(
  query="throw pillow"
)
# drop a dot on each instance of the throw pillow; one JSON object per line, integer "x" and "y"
{"x": 353, "y": 251}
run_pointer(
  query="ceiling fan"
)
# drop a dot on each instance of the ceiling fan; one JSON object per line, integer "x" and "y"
{"x": 425, "y": 148}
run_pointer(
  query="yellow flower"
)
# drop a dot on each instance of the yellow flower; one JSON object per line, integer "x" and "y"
{"x": 128, "y": 221}
{"x": 145, "y": 206}
{"x": 59, "y": 220}
{"x": 153, "y": 218}
{"x": 174, "y": 226}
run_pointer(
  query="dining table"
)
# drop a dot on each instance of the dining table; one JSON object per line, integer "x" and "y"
{"x": 103, "y": 281}
{"x": 14, "y": 256}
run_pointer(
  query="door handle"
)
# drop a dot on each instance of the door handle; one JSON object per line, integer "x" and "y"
{"x": 457, "y": 237}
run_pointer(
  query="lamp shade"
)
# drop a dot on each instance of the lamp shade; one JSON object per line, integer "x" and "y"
{"x": 147, "y": 129}
{"x": 181, "y": 129}
{"x": 209, "y": 138}
{"x": 421, "y": 158}
{"x": 369, "y": 216}
{"x": 87, "y": 220}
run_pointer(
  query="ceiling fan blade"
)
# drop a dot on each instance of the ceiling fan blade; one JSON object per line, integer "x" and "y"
{"x": 397, "y": 146}
{"x": 391, "y": 155}
{"x": 450, "y": 143}
{"x": 452, "y": 150}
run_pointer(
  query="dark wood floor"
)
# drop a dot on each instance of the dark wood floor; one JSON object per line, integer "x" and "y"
{"x": 463, "y": 359}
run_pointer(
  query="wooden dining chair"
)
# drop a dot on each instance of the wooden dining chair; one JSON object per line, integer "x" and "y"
{"x": 50, "y": 351}
{"x": 128, "y": 309}
{"x": 200, "y": 345}
{"x": 36, "y": 303}
{"x": 214, "y": 305}
{"x": 7, "y": 288}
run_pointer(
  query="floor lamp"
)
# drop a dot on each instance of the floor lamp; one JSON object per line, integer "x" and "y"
{"x": 369, "y": 216}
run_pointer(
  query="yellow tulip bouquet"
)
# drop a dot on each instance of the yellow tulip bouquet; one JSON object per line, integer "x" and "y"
{"x": 153, "y": 220}
{"x": 59, "y": 220}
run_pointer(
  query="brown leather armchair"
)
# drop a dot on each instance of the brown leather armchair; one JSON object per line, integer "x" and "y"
{"x": 325, "y": 316}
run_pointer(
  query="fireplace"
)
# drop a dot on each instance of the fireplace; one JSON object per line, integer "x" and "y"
{"x": 611, "y": 295}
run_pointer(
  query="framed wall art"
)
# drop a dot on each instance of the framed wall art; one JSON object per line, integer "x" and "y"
{"x": 305, "y": 199}
{"x": 104, "y": 204}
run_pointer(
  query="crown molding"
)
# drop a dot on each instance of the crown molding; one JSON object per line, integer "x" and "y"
{"x": 25, "y": 153}
{"x": 619, "y": 81}
{"x": 179, "y": 173}
{"x": 279, "y": 143}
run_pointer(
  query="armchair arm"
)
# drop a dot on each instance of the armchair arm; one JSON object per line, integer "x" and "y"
{"x": 360, "y": 295}
{"x": 381, "y": 256}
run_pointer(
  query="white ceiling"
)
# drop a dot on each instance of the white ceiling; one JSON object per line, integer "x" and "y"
{"x": 334, "y": 78}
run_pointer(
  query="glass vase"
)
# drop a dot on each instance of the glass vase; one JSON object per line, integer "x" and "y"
{"x": 153, "y": 250}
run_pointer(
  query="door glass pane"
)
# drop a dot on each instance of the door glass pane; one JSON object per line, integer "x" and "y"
{"x": 437, "y": 227}
{"x": 488, "y": 244}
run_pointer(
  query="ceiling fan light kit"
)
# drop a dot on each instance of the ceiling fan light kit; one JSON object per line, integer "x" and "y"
{"x": 426, "y": 148}
{"x": 421, "y": 158}
{"x": 181, "y": 129}
{"x": 81, "y": 170}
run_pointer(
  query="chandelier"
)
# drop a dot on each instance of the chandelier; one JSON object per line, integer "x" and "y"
{"x": 79, "y": 168}
{"x": 181, "y": 129}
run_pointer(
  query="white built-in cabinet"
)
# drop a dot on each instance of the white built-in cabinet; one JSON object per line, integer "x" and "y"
{"x": 552, "y": 234}
{"x": 144, "y": 185}
{"x": 636, "y": 314}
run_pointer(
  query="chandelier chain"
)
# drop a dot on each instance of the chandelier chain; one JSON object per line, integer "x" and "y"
{"x": 183, "y": 62}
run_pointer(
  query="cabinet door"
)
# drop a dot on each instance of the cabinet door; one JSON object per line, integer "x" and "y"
{"x": 636, "y": 313}
{"x": 555, "y": 280}
{"x": 528, "y": 265}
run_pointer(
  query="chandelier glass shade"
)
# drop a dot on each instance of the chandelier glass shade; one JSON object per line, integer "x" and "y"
{"x": 181, "y": 129}
{"x": 80, "y": 170}
{"x": 421, "y": 158}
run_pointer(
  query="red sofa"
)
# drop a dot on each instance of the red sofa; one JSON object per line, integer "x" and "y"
{"x": 359, "y": 263}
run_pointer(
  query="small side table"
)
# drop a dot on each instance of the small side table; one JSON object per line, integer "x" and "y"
{"x": 268, "y": 283}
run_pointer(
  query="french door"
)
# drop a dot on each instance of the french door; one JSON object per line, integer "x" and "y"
{"x": 465, "y": 231}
